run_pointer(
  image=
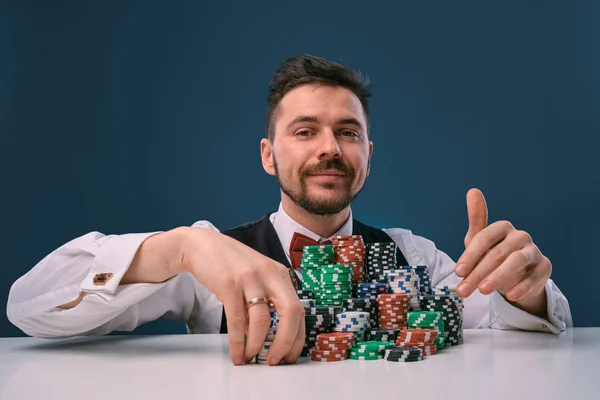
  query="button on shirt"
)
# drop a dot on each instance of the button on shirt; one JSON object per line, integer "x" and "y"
{"x": 73, "y": 268}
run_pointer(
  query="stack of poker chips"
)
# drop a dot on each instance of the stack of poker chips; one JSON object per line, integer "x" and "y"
{"x": 317, "y": 320}
{"x": 332, "y": 346}
{"x": 371, "y": 290}
{"x": 367, "y": 351}
{"x": 273, "y": 327}
{"x": 351, "y": 250}
{"x": 335, "y": 284}
{"x": 313, "y": 257}
{"x": 306, "y": 298}
{"x": 428, "y": 320}
{"x": 382, "y": 335}
{"x": 451, "y": 316}
{"x": 380, "y": 257}
{"x": 404, "y": 354}
{"x": 354, "y": 322}
{"x": 404, "y": 280}
{"x": 261, "y": 358}
{"x": 422, "y": 338}
{"x": 393, "y": 309}
{"x": 424, "y": 278}
{"x": 445, "y": 290}
{"x": 363, "y": 305}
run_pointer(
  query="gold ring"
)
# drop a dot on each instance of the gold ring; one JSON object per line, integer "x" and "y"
{"x": 255, "y": 301}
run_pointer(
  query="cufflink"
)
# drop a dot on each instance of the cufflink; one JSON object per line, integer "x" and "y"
{"x": 102, "y": 279}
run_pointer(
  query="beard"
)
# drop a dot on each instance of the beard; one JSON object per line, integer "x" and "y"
{"x": 316, "y": 205}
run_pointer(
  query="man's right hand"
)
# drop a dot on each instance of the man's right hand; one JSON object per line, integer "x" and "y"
{"x": 236, "y": 273}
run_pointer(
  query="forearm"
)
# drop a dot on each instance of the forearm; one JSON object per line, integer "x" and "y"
{"x": 158, "y": 258}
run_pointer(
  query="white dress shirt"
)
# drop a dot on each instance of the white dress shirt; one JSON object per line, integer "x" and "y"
{"x": 62, "y": 275}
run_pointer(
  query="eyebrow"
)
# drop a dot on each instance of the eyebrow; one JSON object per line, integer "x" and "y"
{"x": 313, "y": 119}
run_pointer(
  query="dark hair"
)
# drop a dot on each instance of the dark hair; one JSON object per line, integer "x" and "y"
{"x": 306, "y": 69}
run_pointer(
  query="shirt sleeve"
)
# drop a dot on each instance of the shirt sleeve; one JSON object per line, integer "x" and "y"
{"x": 482, "y": 311}
{"x": 61, "y": 276}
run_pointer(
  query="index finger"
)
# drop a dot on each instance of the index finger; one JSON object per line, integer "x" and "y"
{"x": 479, "y": 246}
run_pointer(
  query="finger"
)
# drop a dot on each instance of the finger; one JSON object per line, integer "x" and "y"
{"x": 483, "y": 242}
{"x": 235, "y": 312}
{"x": 509, "y": 273}
{"x": 492, "y": 259}
{"x": 533, "y": 282}
{"x": 282, "y": 293}
{"x": 294, "y": 354}
{"x": 259, "y": 320}
{"x": 477, "y": 213}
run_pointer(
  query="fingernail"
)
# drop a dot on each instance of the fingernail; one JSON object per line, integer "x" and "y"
{"x": 464, "y": 289}
{"x": 274, "y": 360}
{"x": 238, "y": 360}
{"x": 486, "y": 287}
{"x": 461, "y": 269}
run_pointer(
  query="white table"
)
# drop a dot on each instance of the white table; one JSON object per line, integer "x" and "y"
{"x": 490, "y": 364}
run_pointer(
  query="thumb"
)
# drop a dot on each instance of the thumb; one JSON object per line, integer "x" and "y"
{"x": 477, "y": 212}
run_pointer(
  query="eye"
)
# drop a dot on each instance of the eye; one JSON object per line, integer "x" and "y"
{"x": 349, "y": 133}
{"x": 304, "y": 133}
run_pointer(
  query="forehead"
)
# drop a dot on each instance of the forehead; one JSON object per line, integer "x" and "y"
{"x": 328, "y": 103}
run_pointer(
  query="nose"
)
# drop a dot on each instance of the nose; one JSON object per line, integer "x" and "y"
{"x": 329, "y": 147}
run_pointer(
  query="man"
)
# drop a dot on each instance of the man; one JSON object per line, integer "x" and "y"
{"x": 318, "y": 146}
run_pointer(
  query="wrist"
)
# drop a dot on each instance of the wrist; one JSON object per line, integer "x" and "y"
{"x": 179, "y": 242}
{"x": 536, "y": 305}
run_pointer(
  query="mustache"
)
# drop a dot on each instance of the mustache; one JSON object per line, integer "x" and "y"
{"x": 328, "y": 165}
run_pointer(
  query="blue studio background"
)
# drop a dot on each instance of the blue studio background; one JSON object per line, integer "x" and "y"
{"x": 133, "y": 116}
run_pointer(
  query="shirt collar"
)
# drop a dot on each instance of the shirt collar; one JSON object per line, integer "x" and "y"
{"x": 285, "y": 227}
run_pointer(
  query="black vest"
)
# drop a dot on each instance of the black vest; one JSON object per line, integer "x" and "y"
{"x": 261, "y": 236}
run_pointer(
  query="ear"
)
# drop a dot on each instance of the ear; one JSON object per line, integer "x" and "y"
{"x": 266, "y": 154}
{"x": 370, "y": 154}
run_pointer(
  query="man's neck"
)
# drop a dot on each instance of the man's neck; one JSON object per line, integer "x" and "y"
{"x": 322, "y": 225}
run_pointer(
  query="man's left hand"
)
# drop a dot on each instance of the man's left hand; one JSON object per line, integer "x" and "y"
{"x": 500, "y": 257}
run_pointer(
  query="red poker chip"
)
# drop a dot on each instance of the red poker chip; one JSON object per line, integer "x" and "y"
{"x": 391, "y": 325}
{"x": 336, "y": 336}
{"x": 328, "y": 353}
{"x": 393, "y": 303}
{"x": 320, "y": 345}
{"x": 419, "y": 331}
{"x": 402, "y": 310}
{"x": 416, "y": 334}
{"x": 392, "y": 311}
{"x": 393, "y": 295}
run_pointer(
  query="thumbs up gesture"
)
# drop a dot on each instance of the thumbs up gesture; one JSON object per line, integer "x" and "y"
{"x": 500, "y": 257}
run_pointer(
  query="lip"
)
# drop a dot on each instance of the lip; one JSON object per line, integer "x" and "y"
{"x": 329, "y": 173}
{"x": 327, "y": 177}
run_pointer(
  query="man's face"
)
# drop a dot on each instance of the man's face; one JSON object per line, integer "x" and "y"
{"x": 321, "y": 150}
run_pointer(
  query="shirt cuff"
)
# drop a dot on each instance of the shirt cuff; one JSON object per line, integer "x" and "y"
{"x": 506, "y": 316}
{"x": 112, "y": 262}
